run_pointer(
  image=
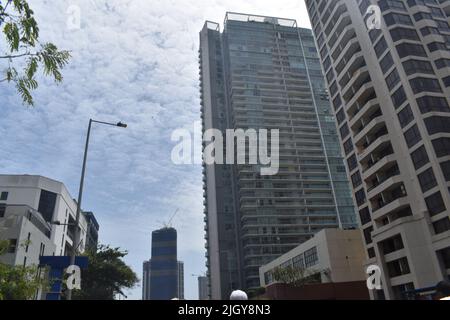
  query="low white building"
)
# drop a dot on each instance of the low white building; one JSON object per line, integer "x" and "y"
{"x": 29, "y": 208}
{"x": 338, "y": 255}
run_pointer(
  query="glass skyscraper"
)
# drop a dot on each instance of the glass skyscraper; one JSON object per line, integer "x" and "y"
{"x": 265, "y": 73}
{"x": 161, "y": 274}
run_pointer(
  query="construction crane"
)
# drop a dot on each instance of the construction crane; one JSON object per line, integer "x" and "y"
{"x": 168, "y": 224}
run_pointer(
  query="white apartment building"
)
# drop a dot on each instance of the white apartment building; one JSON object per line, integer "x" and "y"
{"x": 29, "y": 208}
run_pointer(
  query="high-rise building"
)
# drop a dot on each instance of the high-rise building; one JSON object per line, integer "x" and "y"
{"x": 161, "y": 274}
{"x": 203, "y": 288}
{"x": 146, "y": 267}
{"x": 92, "y": 231}
{"x": 265, "y": 73}
{"x": 180, "y": 283}
{"x": 389, "y": 88}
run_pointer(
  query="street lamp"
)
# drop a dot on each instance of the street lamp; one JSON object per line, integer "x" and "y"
{"x": 80, "y": 193}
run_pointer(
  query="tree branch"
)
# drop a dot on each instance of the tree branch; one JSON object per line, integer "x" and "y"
{"x": 18, "y": 55}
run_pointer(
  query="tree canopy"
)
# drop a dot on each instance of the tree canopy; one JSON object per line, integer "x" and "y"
{"x": 22, "y": 47}
{"x": 106, "y": 276}
{"x": 18, "y": 282}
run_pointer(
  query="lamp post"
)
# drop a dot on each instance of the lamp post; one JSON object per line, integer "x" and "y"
{"x": 80, "y": 194}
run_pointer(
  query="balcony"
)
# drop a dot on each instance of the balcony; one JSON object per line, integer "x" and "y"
{"x": 371, "y": 140}
{"x": 360, "y": 78}
{"x": 385, "y": 183}
{"x": 347, "y": 69}
{"x": 376, "y": 124}
{"x": 389, "y": 201}
{"x": 384, "y": 159}
{"x": 345, "y": 51}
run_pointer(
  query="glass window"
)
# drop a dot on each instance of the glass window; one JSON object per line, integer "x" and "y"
{"x": 446, "y": 170}
{"x": 435, "y": 204}
{"x": 412, "y": 136}
{"x": 427, "y": 180}
{"x": 405, "y": 116}
{"x": 311, "y": 258}
{"x": 4, "y": 196}
{"x": 420, "y": 157}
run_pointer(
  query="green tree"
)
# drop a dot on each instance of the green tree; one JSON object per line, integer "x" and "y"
{"x": 107, "y": 275}
{"x": 18, "y": 282}
{"x": 21, "y": 34}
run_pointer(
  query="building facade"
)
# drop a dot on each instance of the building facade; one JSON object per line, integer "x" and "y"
{"x": 146, "y": 284}
{"x": 389, "y": 88}
{"x": 161, "y": 275}
{"x": 92, "y": 231}
{"x": 203, "y": 288}
{"x": 264, "y": 73}
{"x": 333, "y": 255}
{"x": 45, "y": 203}
{"x": 180, "y": 283}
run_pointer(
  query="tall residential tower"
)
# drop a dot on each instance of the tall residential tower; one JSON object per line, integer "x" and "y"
{"x": 390, "y": 92}
{"x": 264, "y": 73}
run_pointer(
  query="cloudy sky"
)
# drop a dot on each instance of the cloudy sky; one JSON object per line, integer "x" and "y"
{"x": 135, "y": 61}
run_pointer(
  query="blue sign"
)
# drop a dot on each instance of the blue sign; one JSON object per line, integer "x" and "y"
{"x": 57, "y": 266}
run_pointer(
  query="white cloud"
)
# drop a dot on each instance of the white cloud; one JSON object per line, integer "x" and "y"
{"x": 134, "y": 61}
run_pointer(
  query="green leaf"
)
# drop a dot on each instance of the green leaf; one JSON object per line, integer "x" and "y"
{"x": 11, "y": 32}
{"x": 32, "y": 67}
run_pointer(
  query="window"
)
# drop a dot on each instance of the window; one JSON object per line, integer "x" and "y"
{"x": 360, "y": 197}
{"x": 442, "y": 225}
{"x": 364, "y": 214}
{"x": 298, "y": 262}
{"x": 47, "y": 203}
{"x": 392, "y": 244}
{"x": 445, "y": 166}
{"x": 352, "y": 163}
{"x": 412, "y": 136}
{"x": 397, "y": 18}
{"x": 442, "y": 147}
{"x": 380, "y": 47}
{"x": 392, "y": 79}
{"x": 348, "y": 146}
{"x": 356, "y": 180}
{"x": 410, "y": 49}
{"x": 400, "y": 290}
{"x": 386, "y": 63}
{"x": 417, "y": 66}
{"x": 371, "y": 253}
{"x": 340, "y": 116}
{"x": 2, "y": 210}
{"x": 427, "y": 180}
{"x": 344, "y": 131}
{"x": 404, "y": 33}
{"x": 435, "y": 204}
{"x": 420, "y": 157}
{"x": 420, "y": 84}
{"x": 368, "y": 235}
{"x": 12, "y": 246}
{"x": 4, "y": 196}
{"x": 399, "y": 97}
{"x": 405, "y": 116}
{"x": 442, "y": 63}
{"x": 311, "y": 257}
{"x": 437, "y": 124}
{"x": 429, "y": 103}
{"x": 398, "y": 268}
